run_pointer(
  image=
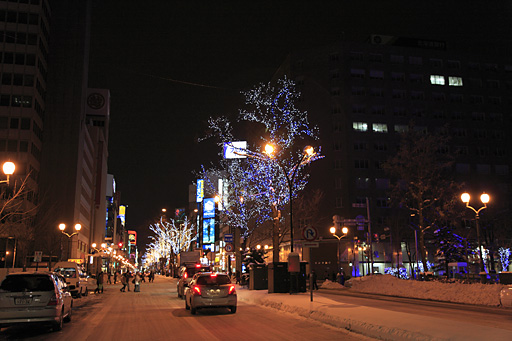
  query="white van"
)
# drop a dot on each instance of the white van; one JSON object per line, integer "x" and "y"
{"x": 75, "y": 278}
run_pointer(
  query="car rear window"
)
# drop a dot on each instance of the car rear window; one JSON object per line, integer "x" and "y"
{"x": 211, "y": 280}
{"x": 67, "y": 272}
{"x": 192, "y": 271}
{"x": 20, "y": 283}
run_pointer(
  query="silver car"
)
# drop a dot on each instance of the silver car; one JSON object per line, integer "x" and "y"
{"x": 39, "y": 297}
{"x": 210, "y": 290}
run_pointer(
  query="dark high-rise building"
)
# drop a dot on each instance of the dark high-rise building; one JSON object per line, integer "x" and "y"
{"x": 363, "y": 94}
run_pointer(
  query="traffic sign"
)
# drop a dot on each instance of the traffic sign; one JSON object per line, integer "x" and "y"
{"x": 38, "y": 256}
{"x": 228, "y": 238}
{"x": 309, "y": 233}
{"x": 229, "y": 247}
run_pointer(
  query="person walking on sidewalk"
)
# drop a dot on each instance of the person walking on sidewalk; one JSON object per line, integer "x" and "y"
{"x": 136, "y": 281}
{"x": 128, "y": 277}
{"x": 123, "y": 282}
{"x": 313, "y": 280}
{"x": 99, "y": 282}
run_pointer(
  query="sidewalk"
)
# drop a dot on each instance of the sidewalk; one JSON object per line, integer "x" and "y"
{"x": 372, "y": 322}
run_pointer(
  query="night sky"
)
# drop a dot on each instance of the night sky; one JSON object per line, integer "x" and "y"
{"x": 170, "y": 65}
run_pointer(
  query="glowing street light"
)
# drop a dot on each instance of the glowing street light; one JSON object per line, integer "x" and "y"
{"x": 62, "y": 227}
{"x": 484, "y": 198}
{"x": 8, "y": 169}
{"x": 344, "y": 231}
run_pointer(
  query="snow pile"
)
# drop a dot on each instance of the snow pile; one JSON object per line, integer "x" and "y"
{"x": 479, "y": 294}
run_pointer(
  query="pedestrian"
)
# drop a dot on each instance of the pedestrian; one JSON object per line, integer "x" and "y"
{"x": 341, "y": 278}
{"x": 123, "y": 282}
{"x": 314, "y": 285}
{"x": 99, "y": 283}
{"x": 109, "y": 280}
{"x": 115, "y": 277}
{"x": 128, "y": 276}
{"x": 142, "y": 277}
{"x": 136, "y": 281}
{"x": 237, "y": 276}
{"x": 151, "y": 276}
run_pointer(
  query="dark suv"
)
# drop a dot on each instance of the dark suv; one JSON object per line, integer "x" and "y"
{"x": 185, "y": 275}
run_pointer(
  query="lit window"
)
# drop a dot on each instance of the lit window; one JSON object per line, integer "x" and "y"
{"x": 437, "y": 80}
{"x": 380, "y": 128}
{"x": 454, "y": 81}
{"x": 360, "y": 126}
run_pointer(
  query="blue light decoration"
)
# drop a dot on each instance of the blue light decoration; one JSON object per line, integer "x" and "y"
{"x": 258, "y": 184}
{"x": 504, "y": 258}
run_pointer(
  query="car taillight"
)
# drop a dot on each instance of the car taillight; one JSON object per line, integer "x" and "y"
{"x": 53, "y": 300}
{"x": 198, "y": 265}
{"x": 231, "y": 290}
{"x": 213, "y": 275}
{"x": 196, "y": 290}
{"x": 185, "y": 275}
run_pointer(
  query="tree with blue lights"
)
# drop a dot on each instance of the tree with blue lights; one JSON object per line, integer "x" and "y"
{"x": 262, "y": 179}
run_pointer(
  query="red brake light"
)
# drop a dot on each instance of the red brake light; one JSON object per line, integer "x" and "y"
{"x": 231, "y": 290}
{"x": 198, "y": 265}
{"x": 213, "y": 275}
{"x": 185, "y": 274}
{"x": 196, "y": 290}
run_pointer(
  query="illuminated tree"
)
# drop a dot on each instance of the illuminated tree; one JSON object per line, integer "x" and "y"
{"x": 260, "y": 184}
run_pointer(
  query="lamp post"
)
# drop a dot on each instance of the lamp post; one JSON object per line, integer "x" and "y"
{"x": 77, "y": 228}
{"x": 307, "y": 154}
{"x": 344, "y": 230}
{"x": 484, "y": 198}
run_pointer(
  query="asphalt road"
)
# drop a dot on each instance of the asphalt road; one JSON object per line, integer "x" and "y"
{"x": 156, "y": 313}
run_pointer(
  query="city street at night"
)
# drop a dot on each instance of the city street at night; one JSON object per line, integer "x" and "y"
{"x": 156, "y": 313}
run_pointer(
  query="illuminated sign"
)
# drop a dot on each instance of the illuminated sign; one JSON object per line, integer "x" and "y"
{"x": 208, "y": 208}
{"x": 132, "y": 237}
{"x": 209, "y": 231}
{"x": 122, "y": 213}
{"x": 200, "y": 190}
{"x": 235, "y": 150}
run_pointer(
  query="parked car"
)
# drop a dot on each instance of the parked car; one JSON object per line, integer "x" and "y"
{"x": 38, "y": 297}
{"x": 185, "y": 275}
{"x": 76, "y": 279}
{"x": 210, "y": 290}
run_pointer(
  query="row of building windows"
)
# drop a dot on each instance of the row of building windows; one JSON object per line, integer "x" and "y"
{"x": 20, "y": 38}
{"x": 19, "y": 17}
{"x": 416, "y": 60}
{"x": 16, "y": 101}
{"x": 22, "y": 123}
{"x": 17, "y": 79}
{"x": 420, "y": 95}
{"x": 18, "y": 58}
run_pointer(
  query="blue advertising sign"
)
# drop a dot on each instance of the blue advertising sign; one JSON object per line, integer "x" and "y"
{"x": 228, "y": 238}
{"x": 208, "y": 208}
{"x": 209, "y": 231}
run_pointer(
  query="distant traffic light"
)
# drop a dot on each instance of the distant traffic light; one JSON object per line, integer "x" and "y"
{"x": 120, "y": 244}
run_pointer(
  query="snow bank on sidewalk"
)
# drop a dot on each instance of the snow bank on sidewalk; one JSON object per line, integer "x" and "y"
{"x": 479, "y": 294}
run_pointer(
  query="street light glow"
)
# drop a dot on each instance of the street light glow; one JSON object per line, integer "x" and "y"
{"x": 9, "y": 168}
{"x": 78, "y": 227}
{"x": 344, "y": 230}
{"x": 62, "y": 226}
{"x": 309, "y": 150}
{"x": 465, "y": 197}
{"x": 269, "y": 149}
{"x": 332, "y": 230}
{"x": 485, "y": 198}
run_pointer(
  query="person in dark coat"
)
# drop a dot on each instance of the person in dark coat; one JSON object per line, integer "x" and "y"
{"x": 99, "y": 282}
{"x": 313, "y": 280}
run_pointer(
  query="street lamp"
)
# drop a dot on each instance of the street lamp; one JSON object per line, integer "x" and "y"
{"x": 62, "y": 227}
{"x": 344, "y": 230}
{"x": 8, "y": 169}
{"x": 484, "y": 198}
{"x": 307, "y": 155}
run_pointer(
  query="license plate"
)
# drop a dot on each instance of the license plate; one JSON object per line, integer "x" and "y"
{"x": 22, "y": 300}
